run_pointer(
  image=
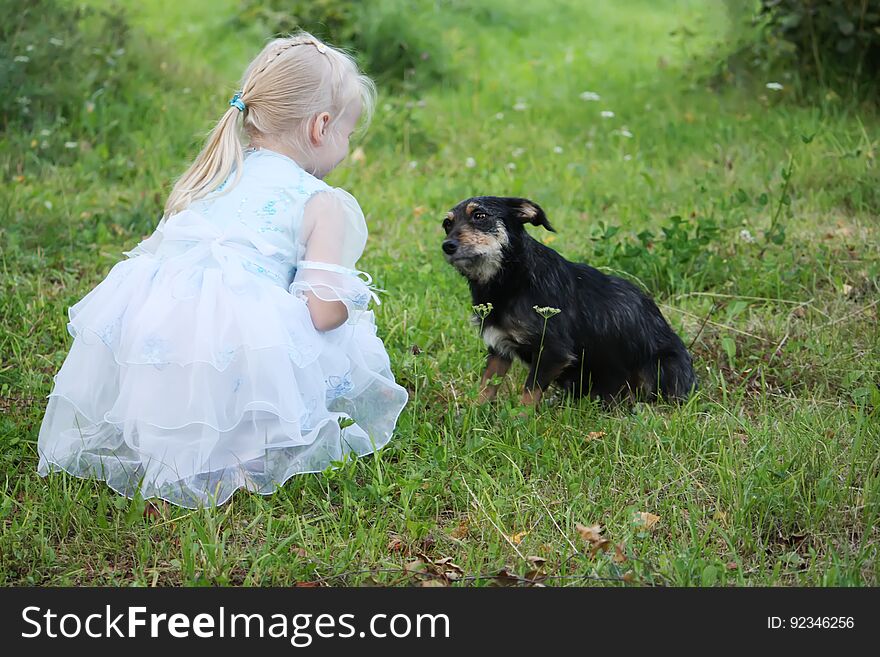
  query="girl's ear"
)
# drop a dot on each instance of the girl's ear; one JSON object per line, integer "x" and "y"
{"x": 319, "y": 128}
{"x": 529, "y": 212}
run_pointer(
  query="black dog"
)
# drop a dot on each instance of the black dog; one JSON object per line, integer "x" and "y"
{"x": 608, "y": 339}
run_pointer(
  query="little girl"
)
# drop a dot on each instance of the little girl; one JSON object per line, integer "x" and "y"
{"x": 233, "y": 347}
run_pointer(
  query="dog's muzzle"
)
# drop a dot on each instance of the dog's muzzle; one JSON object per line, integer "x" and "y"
{"x": 450, "y": 246}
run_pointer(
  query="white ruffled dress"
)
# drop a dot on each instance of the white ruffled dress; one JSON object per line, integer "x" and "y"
{"x": 196, "y": 369}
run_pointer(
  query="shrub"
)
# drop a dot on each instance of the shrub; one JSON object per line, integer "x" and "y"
{"x": 400, "y": 43}
{"x": 828, "y": 41}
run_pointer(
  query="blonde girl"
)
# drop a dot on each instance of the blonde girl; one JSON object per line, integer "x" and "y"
{"x": 234, "y": 347}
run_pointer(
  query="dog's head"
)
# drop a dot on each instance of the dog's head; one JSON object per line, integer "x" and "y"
{"x": 480, "y": 230}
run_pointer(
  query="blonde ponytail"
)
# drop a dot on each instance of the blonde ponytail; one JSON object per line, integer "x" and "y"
{"x": 281, "y": 90}
{"x": 220, "y": 155}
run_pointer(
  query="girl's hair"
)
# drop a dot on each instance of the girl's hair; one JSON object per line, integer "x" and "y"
{"x": 292, "y": 80}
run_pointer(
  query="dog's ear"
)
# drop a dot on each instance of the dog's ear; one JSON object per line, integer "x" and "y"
{"x": 529, "y": 212}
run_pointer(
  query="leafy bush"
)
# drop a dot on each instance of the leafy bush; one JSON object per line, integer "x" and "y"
{"x": 829, "y": 41}
{"x": 400, "y": 43}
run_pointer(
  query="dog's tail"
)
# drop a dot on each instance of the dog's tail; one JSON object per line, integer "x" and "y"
{"x": 676, "y": 375}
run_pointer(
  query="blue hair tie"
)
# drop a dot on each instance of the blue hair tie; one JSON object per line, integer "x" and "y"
{"x": 237, "y": 102}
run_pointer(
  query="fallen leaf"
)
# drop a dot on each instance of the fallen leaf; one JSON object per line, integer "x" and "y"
{"x": 506, "y": 577}
{"x": 591, "y": 534}
{"x": 395, "y": 543}
{"x": 516, "y": 539}
{"x": 645, "y": 519}
{"x": 433, "y": 582}
{"x": 418, "y": 211}
{"x": 300, "y": 552}
{"x": 415, "y": 566}
{"x": 732, "y": 565}
{"x": 461, "y": 531}
{"x": 847, "y": 290}
{"x": 593, "y": 435}
{"x": 537, "y": 562}
{"x": 629, "y": 577}
{"x": 619, "y": 554}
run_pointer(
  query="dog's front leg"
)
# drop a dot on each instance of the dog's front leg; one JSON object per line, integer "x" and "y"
{"x": 496, "y": 366}
{"x": 538, "y": 381}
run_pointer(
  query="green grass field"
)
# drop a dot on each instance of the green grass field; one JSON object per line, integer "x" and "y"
{"x": 751, "y": 214}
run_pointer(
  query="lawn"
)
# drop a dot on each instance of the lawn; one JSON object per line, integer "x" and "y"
{"x": 750, "y": 213}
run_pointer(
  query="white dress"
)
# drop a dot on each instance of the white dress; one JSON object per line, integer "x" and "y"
{"x": 195, "y": 368}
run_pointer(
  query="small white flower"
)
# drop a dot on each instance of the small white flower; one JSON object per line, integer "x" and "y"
{"x": 499, "y": 116}
{"x": 413, "y": 164}
{"x": 775, "y": 86}
{"x": 648, "y": 107}
{"x": 516, "y": 152}
{"x": 520, "y": 107}
{"x": 186, "y": 90}
{"x": 746, "y": 236}
{"x": 56, "y": 42}
{"x": 607, "y": 114}
{"x": 45, "y": 132}
{"x": 626, "y": 133}
{"x": 627, "y": 157}
{"x": 23, "y": 59}
{"x": 30, "y": 47}
{"x": 511, "y": 166}
{"x": 590, "y": 96}
{"x": 470, "y": 163}
{"x": 47, "y": 205}
{"x": 387, "y": 107}
{"x": 71, "y": 144}
{"x": 589, "y": 145}
{"x": 557, "y": 149}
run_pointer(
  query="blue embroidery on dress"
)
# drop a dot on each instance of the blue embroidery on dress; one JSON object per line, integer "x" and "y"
{"x": 338, "y": 386}
{"x": 155, "y": 351}
{"x": 361, "y": 299}
{"x": 237, "y": 384}
{"x": 109, "y": 332}
{"x": 254, "y": 268}
{"x": 224, "y": 357}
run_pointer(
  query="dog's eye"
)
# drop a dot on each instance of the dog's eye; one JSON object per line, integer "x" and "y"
{"x": 447, "y": 224}
{"x": 479, "y": 216}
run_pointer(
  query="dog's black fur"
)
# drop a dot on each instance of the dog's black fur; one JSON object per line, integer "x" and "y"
{"x": 609, "y": 340}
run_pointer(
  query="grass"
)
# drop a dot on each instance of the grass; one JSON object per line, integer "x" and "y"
{"x": 770, "y": 476}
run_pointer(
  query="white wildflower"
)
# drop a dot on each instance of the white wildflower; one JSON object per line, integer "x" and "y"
{"x": 626, "y": 133}
{"x": 511, "y": 166}
{"x": 746, "y": 236}
{"x": 499, "y": 116}
{"x": 470, "y": 163}
{"x": 56, "y": 42}
{"x": 23, "y": 59}
{"x": 775, "y": 86}
{"x": 413, "y": 164}
{"x": 516, "y": 152}
{"x": 520, "y": 107}
{"x": 557, "y": 149}
{"x": 71, "y": 144}
{"x": 607, "y": 114}
{"x": 627, "y": 157}
{"x": 590, "y": 96}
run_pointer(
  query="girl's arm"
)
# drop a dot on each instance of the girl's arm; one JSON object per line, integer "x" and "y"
{"x": 332, "y": 235}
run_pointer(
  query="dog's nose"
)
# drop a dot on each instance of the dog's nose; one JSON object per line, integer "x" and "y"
{"x": 449, "y": 247}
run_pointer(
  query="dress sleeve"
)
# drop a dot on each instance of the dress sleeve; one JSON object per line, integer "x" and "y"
{"x": 150, "y": 245}
{"x": 334, "y": 233}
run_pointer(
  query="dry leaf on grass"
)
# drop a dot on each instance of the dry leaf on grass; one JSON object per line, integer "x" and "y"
{"x": 593, "y": 435}
{"x": 516, "y": 539}
{"x": 645, "y": 519}
{"x": 461, "y": 531}
{"x": 395, "y": 543}
{"x": 593, "y": 535}
{"x": 619, "y": 554}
